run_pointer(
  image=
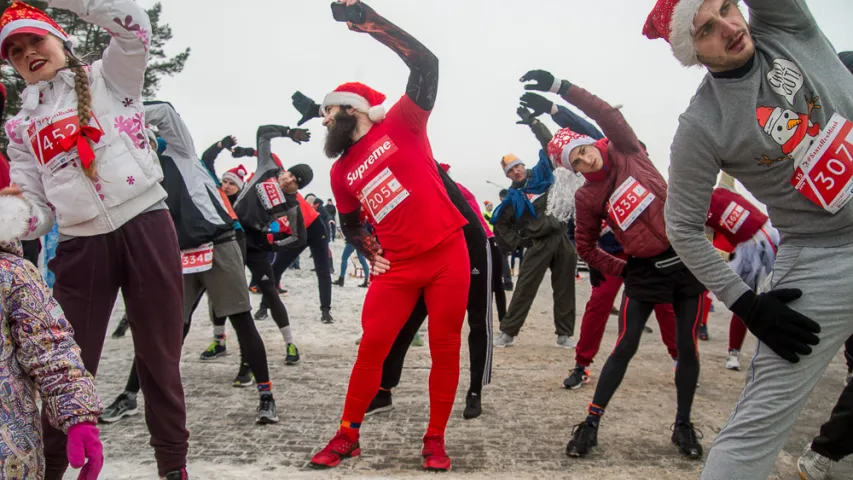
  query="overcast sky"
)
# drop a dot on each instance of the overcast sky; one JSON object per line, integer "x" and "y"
{"x": 249, "y": 56}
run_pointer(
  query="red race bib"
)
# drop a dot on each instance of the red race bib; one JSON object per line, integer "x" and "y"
{"x": 46, "y": 134}
{"x": 825, "y": 175}
{"x": 382, "y": 195}
{"x": 196, "y": 260}
{"x": 628, "y": 202}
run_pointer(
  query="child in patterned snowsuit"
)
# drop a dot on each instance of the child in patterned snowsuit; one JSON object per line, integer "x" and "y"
{"x": 38, "y": 354}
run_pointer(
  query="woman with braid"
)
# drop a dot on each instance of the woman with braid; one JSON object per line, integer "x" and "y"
{"x": 80, "y": 158}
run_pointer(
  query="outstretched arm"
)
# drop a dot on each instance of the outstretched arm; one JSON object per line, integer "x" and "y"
{"x": 789, "y": 15}
{"x": 265, "y": 135}
{"x": 208, "y": 158}
{"x": 422, "y": 63}
{"x": 540, "y": 131}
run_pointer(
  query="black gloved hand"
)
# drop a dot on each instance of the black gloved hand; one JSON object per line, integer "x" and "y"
{"x": 785, "y": 331}
{"x": 299, "y": 135}
{"x": 228, "y": 142}
{"x": 596, "y": 278}
{"x": 306, "y": 106}
{"x": 526, "y": 116}
{"x": 545, "y": 82}
{"x": 238, "y": 152}
{"x": 537, "y": 103}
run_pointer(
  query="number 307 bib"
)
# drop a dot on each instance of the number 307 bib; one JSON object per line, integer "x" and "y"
{"x": 382, "y": 195}
{"x": 628, "y": 202}
{"x": 825, "y": 173}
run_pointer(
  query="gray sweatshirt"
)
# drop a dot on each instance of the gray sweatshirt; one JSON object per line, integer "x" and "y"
{"x": 754, "y": 128}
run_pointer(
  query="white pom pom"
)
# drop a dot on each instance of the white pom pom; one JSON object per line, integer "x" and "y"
{"x": 376, "y": 114}
{"x": 14, "y": 218}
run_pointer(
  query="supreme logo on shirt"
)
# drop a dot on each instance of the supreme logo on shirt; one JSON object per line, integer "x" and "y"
{"x": 377, "y": 154}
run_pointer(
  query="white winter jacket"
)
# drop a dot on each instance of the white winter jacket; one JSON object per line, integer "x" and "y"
{"x": 128, "y": 170}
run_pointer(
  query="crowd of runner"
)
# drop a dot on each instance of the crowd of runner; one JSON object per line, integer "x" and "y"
{"x": 140, "y": 213}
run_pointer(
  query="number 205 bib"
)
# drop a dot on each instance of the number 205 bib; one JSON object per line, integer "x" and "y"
{"x": 382, "y": 195}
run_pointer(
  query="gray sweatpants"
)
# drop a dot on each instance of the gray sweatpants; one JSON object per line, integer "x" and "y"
{"x": 776, "y": 390}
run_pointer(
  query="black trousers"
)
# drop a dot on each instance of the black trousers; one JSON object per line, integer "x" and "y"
{"x": 498, "y": 261}
{"x": 259, "y": 264}
{"x": 32, "y": 250}
{"x": 479, "y": 320}
{"x": 318, "y": 242}
{"x": 836, "y": 436}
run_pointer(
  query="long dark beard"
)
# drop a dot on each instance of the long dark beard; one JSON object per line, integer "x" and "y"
{"x": 339, "y": 137}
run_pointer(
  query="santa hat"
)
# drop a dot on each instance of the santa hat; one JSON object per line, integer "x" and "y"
{"x": 236, "y": 175}
{"x": 563, "y": 143}
{"x": 508, "y": 161}
{"x": 487, "y": 202}
{"x": 359, "y": 96}
{"x": 14, "y": 216}
{"x": 672, "y": 20}
{"x": 23, "y": 18}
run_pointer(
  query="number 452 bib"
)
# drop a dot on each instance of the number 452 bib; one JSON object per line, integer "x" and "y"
{"x": 628, "y": 202}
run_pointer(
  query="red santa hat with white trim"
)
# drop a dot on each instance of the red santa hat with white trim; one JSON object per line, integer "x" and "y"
{"x": 236, "y": 175}
{"x": 359, "y": 96}
{"x": 23, "y": 18}
{"x": 672, "y": 20}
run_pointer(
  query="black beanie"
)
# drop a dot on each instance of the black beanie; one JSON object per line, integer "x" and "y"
{"x": 303, "y": 174}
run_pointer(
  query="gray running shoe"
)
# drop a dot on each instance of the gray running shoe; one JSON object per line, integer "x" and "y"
{"x": 266, "y": 409}
{"x": 565, "y": 341}
{"x": 123, "y": 406}
{"x": 504, "y": 340}
{"x": 812, "y": 465}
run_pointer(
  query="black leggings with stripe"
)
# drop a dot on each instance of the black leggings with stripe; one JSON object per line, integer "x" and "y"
{"x": 633, "y": 315}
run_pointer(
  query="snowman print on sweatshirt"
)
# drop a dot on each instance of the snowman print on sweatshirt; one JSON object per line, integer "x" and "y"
{"x": 793, "y": 131}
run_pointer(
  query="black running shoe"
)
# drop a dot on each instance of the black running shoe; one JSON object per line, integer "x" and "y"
{"x": 473, "y": 409}
{"x": 266, "y": 409}
{"x": 282, "y": 291}
{"x": 122, "y": 327}
{"x": 177, "y": 475}
{"x": 245, "y": 377}
{"x": 508, "y": 285}
{"x": 365, "y": 284}
{"x": 381, "y": 403}
{"x": 578, "y": 378}
{"x": 261, "y": 314}
{"x": 703, "y": 333}
{"x": 584, "y": 437}
{"x": 326, "y": 317}
{"x": 215, "y": 350}
{"x": 339, "y": 282}
{"x": 648, "y": 329}
{"x": 292, "y": 356}
{"x": 685, "y": 436}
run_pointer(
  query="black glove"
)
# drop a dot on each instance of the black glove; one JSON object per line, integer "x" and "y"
{"x": 228, "y": 142}
{"x": 785, "y": 331}
{"x": 537, "y": 103}
{"x": 299, "y": 135}
{"x": 596, "y": 278}
{"x": 526, "y": 116}
{"x": 307, "y": 107}
{"x": 238, "y": 152}
{"x": 545, "y": 82}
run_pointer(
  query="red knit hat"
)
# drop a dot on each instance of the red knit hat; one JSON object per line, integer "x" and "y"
{"x": 236, "y": 175}
{"x": 23, "y": 18}
{"x": 672, "y": 20}
{"x": 359, "y": 96}
{"x": 563, "y": 143}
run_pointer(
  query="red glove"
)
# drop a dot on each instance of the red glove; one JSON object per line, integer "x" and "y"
{"x": 83, "y": 444}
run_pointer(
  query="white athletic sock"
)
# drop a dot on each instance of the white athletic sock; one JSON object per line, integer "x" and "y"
{"x": 218, "y": 330}
{"x": 287, "y": 334}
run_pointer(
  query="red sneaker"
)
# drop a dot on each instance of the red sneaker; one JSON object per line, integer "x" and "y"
{"x": 339, "y": 447}
{"x": 435, "y": 456}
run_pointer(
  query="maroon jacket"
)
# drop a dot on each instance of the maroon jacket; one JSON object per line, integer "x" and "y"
{"x": 624, "y": 157}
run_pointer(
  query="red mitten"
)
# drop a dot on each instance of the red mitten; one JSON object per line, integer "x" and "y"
{"x": 84, "y": 444}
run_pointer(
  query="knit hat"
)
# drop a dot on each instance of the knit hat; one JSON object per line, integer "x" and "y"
{"x": 236, "y": 175}
{"x": 563, "y": 143}
{"x": 303, "y": 174}
{"x": 23, "y": 18}
{"x": 672, "y": 20}
{"x": 508, "y": 161}
{"x": 359, "y": 96}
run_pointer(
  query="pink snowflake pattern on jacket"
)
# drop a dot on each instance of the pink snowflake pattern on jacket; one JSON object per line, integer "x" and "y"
{"x": 133, "y": 128}
{"x": 140, "y": 32}
{"x": 12, "y": 131}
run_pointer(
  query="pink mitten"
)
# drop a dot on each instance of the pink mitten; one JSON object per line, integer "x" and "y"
{"x": 83, "y": 444}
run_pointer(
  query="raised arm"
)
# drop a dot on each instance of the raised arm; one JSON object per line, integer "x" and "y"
{"x": 792, "y": 16}
{"x": 126, "y": 57}
{"x": 561, "y": 115}
{"x": 265, "y": 135}
{"x": 208, "y": 158}
{"x": 172, "y": 129}
{"x": 423, "y": 64}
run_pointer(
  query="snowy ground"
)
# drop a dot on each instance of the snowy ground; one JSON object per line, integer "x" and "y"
{"x": 527, "y": 417}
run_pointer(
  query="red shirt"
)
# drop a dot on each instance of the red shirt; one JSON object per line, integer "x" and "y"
{"x": 734, "y": 217}
{"x": 308, "y": 212}
{"x": 391, "y": 174}
{"x": 5, "y": 180}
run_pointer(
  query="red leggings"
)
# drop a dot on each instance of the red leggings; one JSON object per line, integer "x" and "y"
{"x": 737, "y": 333}
{"x": 443, "y": 274}
{"x": 597, "y": 313}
